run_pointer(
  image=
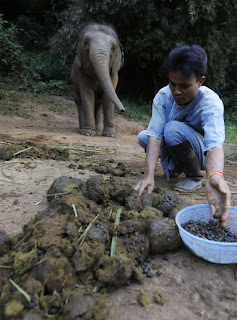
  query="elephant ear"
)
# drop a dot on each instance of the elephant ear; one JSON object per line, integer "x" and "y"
{"x": 78, "y": 55}
{"x": 77, "y": 61}
{"x": 119, "y": 59}
{"x": 82, "y": 56}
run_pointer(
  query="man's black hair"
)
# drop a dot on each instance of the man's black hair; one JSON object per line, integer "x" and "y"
{"x": 187, "y": 60}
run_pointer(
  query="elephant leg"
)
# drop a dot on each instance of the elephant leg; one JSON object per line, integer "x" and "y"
{"x": 98, "y": 116}
{"x": 108, "y": 110}
{"x": 77, "y": 100}
{"x": 88, "y": 110}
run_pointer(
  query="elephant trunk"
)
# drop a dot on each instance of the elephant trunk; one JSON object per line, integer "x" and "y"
{"x": 100, "y": 62}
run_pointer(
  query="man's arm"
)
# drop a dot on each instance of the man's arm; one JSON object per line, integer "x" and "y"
{"x": 218, "y": 193}
{"x": 152, "y": 156}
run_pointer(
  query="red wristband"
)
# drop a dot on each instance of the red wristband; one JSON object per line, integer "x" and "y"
{"x": 216, "y": 172}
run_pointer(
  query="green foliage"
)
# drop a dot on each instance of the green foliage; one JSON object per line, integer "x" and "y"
{"x": 10, "y": 49}
{"x": 62, "y": 45}
{"x": 33, "y": 35}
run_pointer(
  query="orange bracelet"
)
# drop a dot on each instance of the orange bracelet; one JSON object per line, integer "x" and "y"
{"x": 216, "y": 172}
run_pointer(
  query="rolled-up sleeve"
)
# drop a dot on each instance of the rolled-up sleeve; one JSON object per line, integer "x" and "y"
{"x": 214, "y": 126}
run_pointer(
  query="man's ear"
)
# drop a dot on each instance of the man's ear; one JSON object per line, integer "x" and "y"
{"x": 201, "y": 80}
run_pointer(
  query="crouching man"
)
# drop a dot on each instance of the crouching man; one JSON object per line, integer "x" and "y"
{"x": 187, "y": 131}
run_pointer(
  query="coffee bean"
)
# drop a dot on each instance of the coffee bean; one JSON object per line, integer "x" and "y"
{"x": 142, "y": 249}
{"x": 13, "y": 288}
{"x": 149, "y": 275}
{"x": 53, "y": 310}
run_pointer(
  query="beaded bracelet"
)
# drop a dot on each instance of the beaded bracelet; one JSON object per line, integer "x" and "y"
{"x": 216, "y": 172}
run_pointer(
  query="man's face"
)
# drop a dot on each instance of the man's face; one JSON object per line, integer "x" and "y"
{"x": 184, "y": 89}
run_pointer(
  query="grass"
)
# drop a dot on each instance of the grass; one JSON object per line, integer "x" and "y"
{"x": 231, "y": 132}
{"x": 24, "y": 103}
{"x": 17, "y": 103}
{"x": 135, "y": 111}
{"x": 231, "y": 141}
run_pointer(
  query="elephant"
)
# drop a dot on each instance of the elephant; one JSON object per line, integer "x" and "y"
{"x": 94, "y": 74}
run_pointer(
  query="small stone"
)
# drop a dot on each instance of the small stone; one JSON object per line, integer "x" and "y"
{"x": 13, "y": 309}
{"x": 159, "y": 299}
{"x": 4, "y": 155}
{"x": 144, "y": 299}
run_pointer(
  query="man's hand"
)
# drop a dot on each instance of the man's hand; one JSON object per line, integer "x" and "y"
{"x": 152, "y": 156}
{"x": 218, "y": 195}
{"x": 146, "y": 182}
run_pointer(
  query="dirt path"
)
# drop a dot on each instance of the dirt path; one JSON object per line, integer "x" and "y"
{"x": 188, "y": 287}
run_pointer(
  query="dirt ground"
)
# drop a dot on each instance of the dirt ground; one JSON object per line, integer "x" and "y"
{"x": 188, "y": 287}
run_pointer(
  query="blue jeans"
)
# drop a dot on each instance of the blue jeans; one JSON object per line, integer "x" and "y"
{"x": 176, "y": 132}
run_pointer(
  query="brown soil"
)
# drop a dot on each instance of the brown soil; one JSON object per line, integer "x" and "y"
{"x": 187, "y": 288}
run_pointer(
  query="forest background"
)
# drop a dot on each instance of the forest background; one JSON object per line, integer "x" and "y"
{"x": 38, "y": 42}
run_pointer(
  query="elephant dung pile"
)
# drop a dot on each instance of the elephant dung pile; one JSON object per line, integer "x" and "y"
{"x": 63, "y": 259}
{"x": 32, "y": 150}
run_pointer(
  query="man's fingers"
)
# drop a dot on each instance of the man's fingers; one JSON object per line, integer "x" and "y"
{"x": 226, "y": 205}
{"x": 150, "y": 189}
{"x": 140, "y": 187}
{"x": 137, "y": 186}
{"x": 224, "y": 220}
{"x": 213, "y": 211}
{"x": 225, "y": 215}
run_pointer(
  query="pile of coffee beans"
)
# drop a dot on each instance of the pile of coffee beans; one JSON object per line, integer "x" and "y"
{"x": 209, "y": 230}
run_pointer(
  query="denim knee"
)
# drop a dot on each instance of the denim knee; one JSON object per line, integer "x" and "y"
{"x": 173, "y": 133}
{"x": 143, "y": 139}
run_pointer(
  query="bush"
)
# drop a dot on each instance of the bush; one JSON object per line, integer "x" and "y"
{"x": 11, "y": 51}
